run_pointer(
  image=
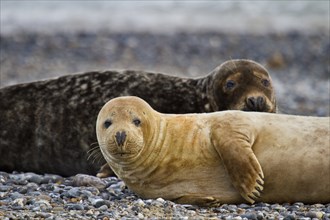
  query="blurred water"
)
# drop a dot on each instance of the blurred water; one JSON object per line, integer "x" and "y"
{"x": 163, "y": 16}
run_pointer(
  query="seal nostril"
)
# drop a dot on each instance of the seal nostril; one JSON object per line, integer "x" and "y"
{"x": 120, "y": 137}
{"x": 255, "y": 103}
{"x": 260, "y": 102}
{"x": 251, "y": 102}
{"x": 123, "y": 136}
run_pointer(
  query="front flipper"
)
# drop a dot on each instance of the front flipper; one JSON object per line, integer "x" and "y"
{"x": 242, "y": 166}
{"x": 105, "y": 171}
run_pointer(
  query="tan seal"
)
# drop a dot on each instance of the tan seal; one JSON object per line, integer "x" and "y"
{"x": 221, "y": 157}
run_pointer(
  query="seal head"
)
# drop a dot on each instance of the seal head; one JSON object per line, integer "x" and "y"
{"x": 241, "y": 85}
{"x": 122, "y": 131}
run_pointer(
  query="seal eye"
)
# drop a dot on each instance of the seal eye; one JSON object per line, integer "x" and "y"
{"x": 230, "y": 84}
{"x": 107, "y": 123}
{"x": 137, "y": 122}
{"x": 265, "y": 82}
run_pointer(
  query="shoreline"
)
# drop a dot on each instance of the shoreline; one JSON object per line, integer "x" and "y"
{"x": 29, "y": 195}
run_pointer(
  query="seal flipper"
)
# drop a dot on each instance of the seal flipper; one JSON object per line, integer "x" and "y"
{"x": 242, "y": 166}
{"x": 105, "y": 171}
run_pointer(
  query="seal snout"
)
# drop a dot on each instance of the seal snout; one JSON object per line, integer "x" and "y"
{"x": 120, "y": 137}
{"x": 256, "y": 103}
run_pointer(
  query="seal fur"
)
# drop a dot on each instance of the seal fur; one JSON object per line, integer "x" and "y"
{"x": 48, "y": 126}
{"x": 221, "y": 157}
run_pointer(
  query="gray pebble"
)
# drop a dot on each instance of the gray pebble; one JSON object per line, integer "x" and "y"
{"x": 103, "y": 208}
{"x": 75, "y": 207}
{"x": 311, "y": 214}
{"x": 22, "y": 190}
{"x": 87, "y": 180}
{"x": 260, "y": 215}
{"x": 85, "y": 193}
{"x": 34, "y": 178}
{"x": 244, "y": 206}
{"x": 74, "y": 192}
{"x": 16, "y": 195}
{"x": 42, "y": 205}
{"x": 4, "y": 188}
{"x": 19, "y": 202}
{"x": 250, "y": 216}
{"x": 97, "y": 202}
{"x": 290, "y": 217}
{"x": 139, "y": 202}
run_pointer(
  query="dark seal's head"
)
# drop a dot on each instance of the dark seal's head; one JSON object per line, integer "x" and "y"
{"x": 123, "y": 127}
{"x": 240, "y": 85}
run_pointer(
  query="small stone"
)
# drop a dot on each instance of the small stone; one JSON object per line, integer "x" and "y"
{"x": 140, "y": 202}
{"x": 311, "y": 214}
{"x": 34, "y": 178}
{"x": 260, "y": 215}
{"x": 105, "y": 195}
{"x": 232, "y": 208}
{"x": 4, "y": 188}
{"x": 42, "y": 215}
{"x": 75, "y": 207}
{"x": 90, "y": 212}
{"x": 292, "y": 208}
{"x": 58, "y": 209}
{"x": 22, "y": 190}
{"x": 298, "y": 204}
{"x": 250, "y": 216}
{"x": 74, "y": 192}
{"x": 290, "y": 217}
{"x": 86, "y": 194}
{"x": 160, "y": 200}
{"x": 318, "y": 205}
{"x": 98, "y": 202}
{"x": 52, "y": 178}
{"x": 87, "y": 180}
{"x": 103, "y": 208}
{"x": 277, "y": 207}
{"x": 43, "y": 205}
{"x": 19, "y": 202}
{"x": 244, "y": 206}
{"x": 140, "y": 216}
{"x": 16, "y": 195}
{"x": 119, "y": 186}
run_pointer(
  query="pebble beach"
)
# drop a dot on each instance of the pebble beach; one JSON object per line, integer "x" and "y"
{"x": 33, "y": 196}
{"x": 298, "y": 61}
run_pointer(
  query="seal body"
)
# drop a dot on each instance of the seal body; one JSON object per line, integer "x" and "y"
{"x": 48, "y": 126}
{"x": 221, "y": 157}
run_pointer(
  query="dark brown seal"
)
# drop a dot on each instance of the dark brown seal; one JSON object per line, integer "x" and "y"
{"x": 48, "y": 126}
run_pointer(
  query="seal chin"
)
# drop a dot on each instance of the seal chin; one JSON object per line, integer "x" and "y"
{"x": 123, "y": 155}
